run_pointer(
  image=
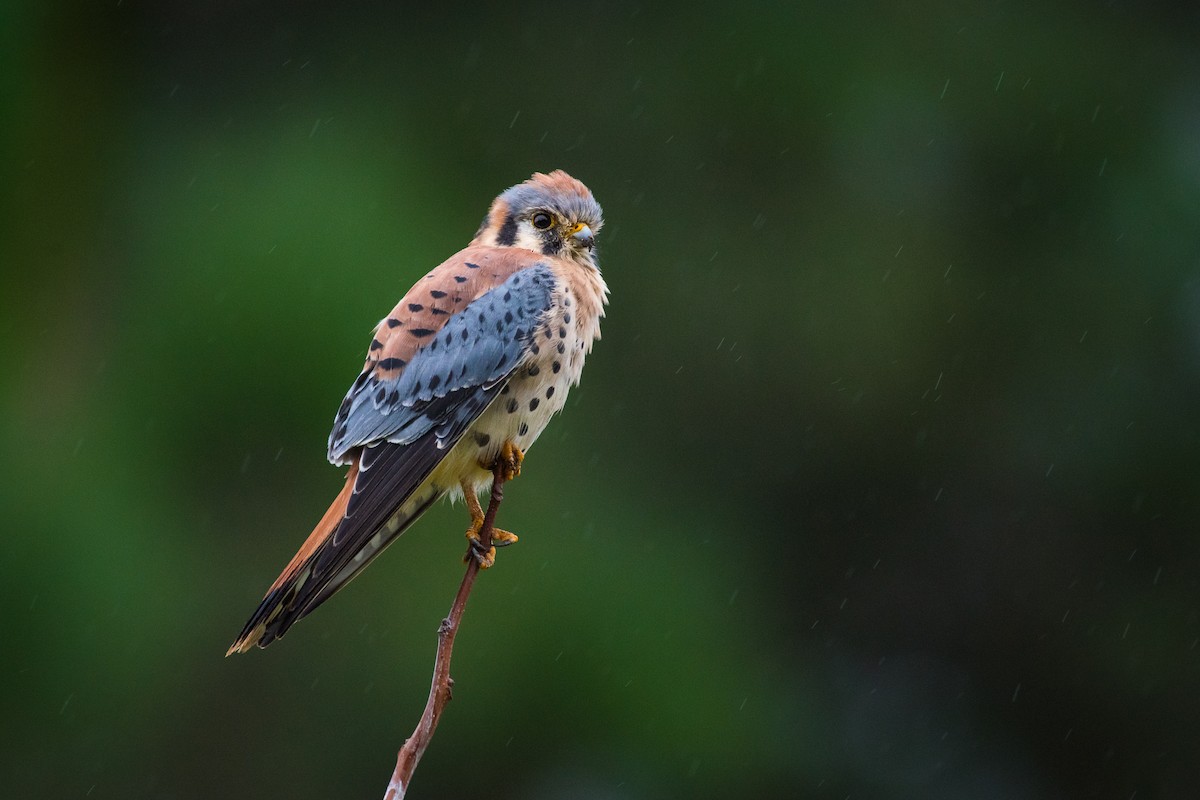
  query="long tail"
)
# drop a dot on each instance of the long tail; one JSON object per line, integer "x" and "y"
{"x": 326, "y": 562}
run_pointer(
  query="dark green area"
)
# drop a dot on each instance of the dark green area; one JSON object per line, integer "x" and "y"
{"x": 883, "y": 482}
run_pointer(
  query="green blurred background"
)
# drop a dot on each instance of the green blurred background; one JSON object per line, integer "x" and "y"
{"x": 882, "y": 483}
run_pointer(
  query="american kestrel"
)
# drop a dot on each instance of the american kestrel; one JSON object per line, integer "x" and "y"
{"x": 462, "y": 375}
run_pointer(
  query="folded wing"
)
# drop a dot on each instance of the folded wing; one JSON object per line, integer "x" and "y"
{"x": 420, "y": 390}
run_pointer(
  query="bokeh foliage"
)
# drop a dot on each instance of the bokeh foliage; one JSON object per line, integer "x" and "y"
{"x": 882, "y": 483}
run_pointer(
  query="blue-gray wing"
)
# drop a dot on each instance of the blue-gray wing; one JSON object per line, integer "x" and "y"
{"x": 419, "y": 380}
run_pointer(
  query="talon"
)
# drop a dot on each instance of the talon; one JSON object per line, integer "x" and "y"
{"x": 486, "y": 558}
{"x": 475, "y": 549}
{"x": 508, "y": 462}
{"x": 503, "y": 538}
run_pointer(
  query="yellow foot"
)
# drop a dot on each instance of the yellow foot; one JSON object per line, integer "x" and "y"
{"x": 475, "y": 549}
{"x": 508, "y": 462}
{"x": 500, "y": 538}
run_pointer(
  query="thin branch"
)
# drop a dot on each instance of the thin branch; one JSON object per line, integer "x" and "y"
{"x": 440, "y": 691}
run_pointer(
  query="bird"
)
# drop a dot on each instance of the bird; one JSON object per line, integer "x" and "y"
{"x": 460, "y": 379}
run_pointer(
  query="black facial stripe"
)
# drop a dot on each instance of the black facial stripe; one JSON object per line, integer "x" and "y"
{"x": 508, "y": 232}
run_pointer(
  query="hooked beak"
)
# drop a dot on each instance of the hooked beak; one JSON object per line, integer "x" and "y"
{"x": 582, "y": 236}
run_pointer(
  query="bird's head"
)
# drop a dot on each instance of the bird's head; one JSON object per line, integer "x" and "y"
{"x": 551, "y": 214}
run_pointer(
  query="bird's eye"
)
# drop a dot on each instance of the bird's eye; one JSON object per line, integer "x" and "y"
{"x": 542, "y": 220}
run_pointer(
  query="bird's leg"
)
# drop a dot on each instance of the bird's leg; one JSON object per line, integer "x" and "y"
{"x": 500, "y": 538}
{"x": 508, "y": 466}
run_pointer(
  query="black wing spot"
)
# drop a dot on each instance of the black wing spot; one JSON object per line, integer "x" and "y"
{"x": 508, "y": 317}
{"x": 437, "y": 294}
{"x": 472, "y": 266}
{"x": 567, "y": 318}
{"x": 466, "y": 334}
{"x": 549, "y": 392}
{"x": 562, "y": 332}
{"x": 512, "y": 405}
{"x": 534, "y": 370}
{"x": 380, "y": 396}
{"x": 394, "y": 323}
{"x": 555, "y": 367}
{"x": 438, "y": 312}
{"x": 420, "y": 333}
{"x": 533, "y": 348}
{"x": 524, "y": 429}
{"x": 414, "y": 307}
{"x": 392, "y": 363}
{"x": 435, "y": 382}
{"x": 482, "y": 439}
{"x": 376, "y": 344}
{"x": 533, "y": 404}
{"x": 460, "y": 278}
{"x": 562, "y": 348}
